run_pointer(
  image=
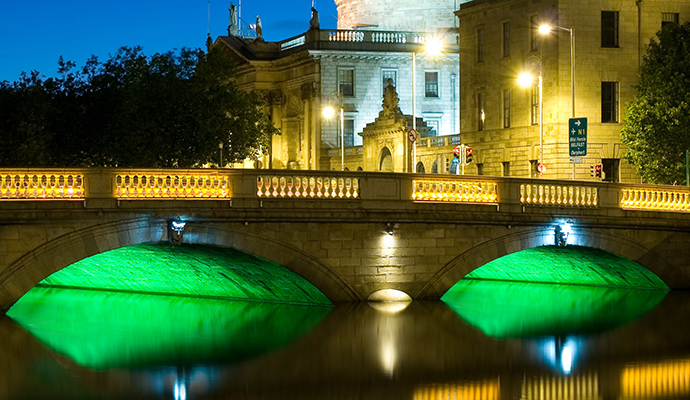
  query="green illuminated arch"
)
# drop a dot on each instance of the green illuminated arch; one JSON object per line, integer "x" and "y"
{"x": 577, "y": 265}
{"x": 188, "y": 270}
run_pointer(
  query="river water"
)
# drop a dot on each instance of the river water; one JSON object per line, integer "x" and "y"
{"x": 490, "y": 340}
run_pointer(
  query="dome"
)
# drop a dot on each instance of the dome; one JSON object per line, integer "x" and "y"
{"x": 397, "y": 15}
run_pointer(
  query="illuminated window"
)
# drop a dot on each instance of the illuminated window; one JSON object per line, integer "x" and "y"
{"x": 669, "y": 18}
{"x": 387, "y": 74}
{"x": 433, "y": 125}
{"x": 480, "y": 111}
{"x": 534, "y": 33}
{"x": 349, "y": 132}
{"x": 346, "y": 81}
{"x": 480, "y": 45}
{"x": 534, "y": 104}
{"x": 431, "y": 84}
{"x": 609, "y": 29}
{"x": 506, "y": 108}
{"x": 506, "y": 39}
{"x": 609, "y": 101}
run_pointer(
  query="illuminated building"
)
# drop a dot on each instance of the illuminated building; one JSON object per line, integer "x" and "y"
{"x": 499, "y": 40}
{"x": 374, "y": 42}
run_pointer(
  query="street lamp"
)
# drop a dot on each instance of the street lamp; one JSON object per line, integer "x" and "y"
{"x": 433, "y": 47}
{"x": 329, "y": 112}
{"x": 546, "y": 28}
{"x": 527, "y": 80}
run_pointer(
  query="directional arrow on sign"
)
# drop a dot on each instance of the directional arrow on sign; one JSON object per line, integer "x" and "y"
{"x": 577, "y": 122}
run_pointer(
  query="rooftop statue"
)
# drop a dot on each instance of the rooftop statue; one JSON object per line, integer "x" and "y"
{"x": 390, "y": 102}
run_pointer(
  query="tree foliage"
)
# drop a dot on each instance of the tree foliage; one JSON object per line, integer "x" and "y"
{"x": 133, "y": 110}
{"x": 657, "y": 122}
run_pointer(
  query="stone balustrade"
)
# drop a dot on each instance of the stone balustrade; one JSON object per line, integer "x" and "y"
{"x": 212, "y": 184}
{"x": 656, "y": 199}
{"x": 41, "y": 185}
{"x": 559, "y": 195}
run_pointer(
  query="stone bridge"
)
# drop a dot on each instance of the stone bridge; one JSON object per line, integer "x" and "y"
{"x": 350, "y": 234}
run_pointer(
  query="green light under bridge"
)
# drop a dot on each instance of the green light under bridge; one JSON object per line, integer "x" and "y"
{"x": 574, "y": 265}
{"x": 188, "y": 270}
{"x": 101, "y": 329}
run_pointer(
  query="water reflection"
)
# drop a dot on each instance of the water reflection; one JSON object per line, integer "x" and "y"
{"x": 518, "y": 309}
{"x": 101, "y": 330}
{"x": 424, "y": 351}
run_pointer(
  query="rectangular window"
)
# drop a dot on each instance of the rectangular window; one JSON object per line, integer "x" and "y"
{"x": 534, "y": 104}
{"x": 386, "y": 75}
{"x": 346, "y": 82}
{"x": 506, "y": 108}
{"x": 506, "y": 39}
{"x": 480, "y": 45}
{"x": 480, "y": 169}
{"x": 480, "y": 111}
{"x": 433, "y": 125}
{"x": 349, "y": 132}
{"x": 609, "y": 101}
{"x": 610, "y": 169}
{"x": 609, "y": 29}
{"x": 431, "y": 84}
{"x": 533, "y": 171}
{"x": 533, "y": 33}
{"x": 669, "y": 18}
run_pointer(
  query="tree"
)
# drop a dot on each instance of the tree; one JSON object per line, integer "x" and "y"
{"x": 657, "y": 122}
{"x": 166, "y": 110}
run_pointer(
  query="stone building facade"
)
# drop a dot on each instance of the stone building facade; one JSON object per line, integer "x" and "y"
{"x": 300, "y": 76}
{"x": 500, "y": 120}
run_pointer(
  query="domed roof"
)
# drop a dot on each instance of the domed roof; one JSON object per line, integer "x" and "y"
{"x": 397, "y": 15}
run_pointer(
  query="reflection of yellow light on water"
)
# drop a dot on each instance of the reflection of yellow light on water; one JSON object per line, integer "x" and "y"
{"x": 584, "y": 386}
{"x": 388, "y": 356}
{"x": 663, "y": 379}
{"x": 484, "y": 390}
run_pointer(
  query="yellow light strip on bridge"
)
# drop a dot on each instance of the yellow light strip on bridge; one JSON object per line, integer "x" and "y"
{"x": 665, "y": 379}
{"x": 454, "y": 191}
{"x": 486, "y": 390}
{"x": 42, "y": 186}
{"x": 579, "y": 387}
{"x": 655, "y": 200}
{"x": 559, "y": 195}
{"x": 209, "y": 186}
{"x": 307, "y": 187}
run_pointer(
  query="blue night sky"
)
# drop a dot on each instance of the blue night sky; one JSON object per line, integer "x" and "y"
{"x": 35, "y": 33}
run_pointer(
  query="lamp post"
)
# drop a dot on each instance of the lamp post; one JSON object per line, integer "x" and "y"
{"x": 546, "y": 28}
{"x": 329, "y": 112}
{"x": 432, "y": 47}
{"x": 526, "y": 80}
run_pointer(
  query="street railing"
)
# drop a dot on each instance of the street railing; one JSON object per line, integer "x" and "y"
{"x": 85, "y": 184}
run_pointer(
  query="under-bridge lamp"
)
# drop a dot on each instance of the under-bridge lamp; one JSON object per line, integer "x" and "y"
{"x": 175, "y": 230}
{"x": 334, "y": 100}
{"x": 389, "y": 228}
{"x": 562, "y": 232}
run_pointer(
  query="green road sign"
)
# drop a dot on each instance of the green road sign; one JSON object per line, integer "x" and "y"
{"x": 577, "y": 135}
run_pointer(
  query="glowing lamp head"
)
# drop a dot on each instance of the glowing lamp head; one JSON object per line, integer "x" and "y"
{"x": 328, "y": 112}
{"x": 433, "y": 46}
{"x": 544, "y": 29}
{"x": 525, "y": 80}
{"x": 178, "y": 226}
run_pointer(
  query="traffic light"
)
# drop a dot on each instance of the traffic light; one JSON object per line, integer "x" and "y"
{"x": 468, "y": 155}
{"x": 597, "y": 171}
{"x": 591, "y": 171}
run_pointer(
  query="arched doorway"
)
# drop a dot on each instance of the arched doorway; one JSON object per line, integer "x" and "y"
{"x": 386, "y": 161}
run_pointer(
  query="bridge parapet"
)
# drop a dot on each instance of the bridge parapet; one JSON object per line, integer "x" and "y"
{"x": 96, "y": 185}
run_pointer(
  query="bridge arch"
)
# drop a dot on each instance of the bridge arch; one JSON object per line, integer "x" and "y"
{"x": 529, "y": 238}
{"x": 67, "y": 249}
